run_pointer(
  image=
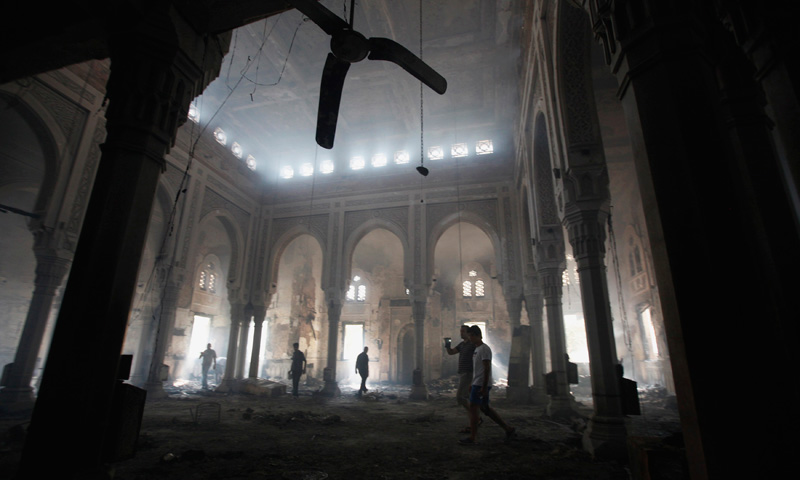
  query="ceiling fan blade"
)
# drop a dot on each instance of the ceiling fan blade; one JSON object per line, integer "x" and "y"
{"x": 327, "y": 20}
{"x": 386, "y": 49}
{"x": 330, "y": 95}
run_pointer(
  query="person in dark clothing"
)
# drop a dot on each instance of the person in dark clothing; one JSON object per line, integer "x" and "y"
{"x": 362, "y": 368}
{"x": 209, "y": 357}
{"x": 298, "y": 368}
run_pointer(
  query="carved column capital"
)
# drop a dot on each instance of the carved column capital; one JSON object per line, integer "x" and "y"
{"x": 586, "y": 230}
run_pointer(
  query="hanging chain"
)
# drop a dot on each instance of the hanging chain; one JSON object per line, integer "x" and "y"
{"x": 421, "y": 118}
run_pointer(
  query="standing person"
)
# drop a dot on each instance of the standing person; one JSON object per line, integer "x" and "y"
{"x": 209, "y": 357}
{"x": 362, "y": 368}
{"x": 464, "y": 351}
{"x": 481, "y": 384}
{"x": 298, "y": 368}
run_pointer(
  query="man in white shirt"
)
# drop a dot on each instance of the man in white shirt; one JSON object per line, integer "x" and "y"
{"x": 481, "y": 384}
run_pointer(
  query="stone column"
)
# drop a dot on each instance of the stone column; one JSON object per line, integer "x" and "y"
{"x": 561, "y": 401}
{"x": 519, "y": 359}
{"x": 166, "y": 322}
{"x": 331, "y": 387}
{"x": 228, "y": 382}
{"x": 606, "y": 435}
{"x": 244, "y": 330}
{"x": 418, "y": 389}
{"x": 50, "y": 271}
{"x": 534, "y": 307}
{"x": 151, "y": 84}
{"x": 259, "y": 314}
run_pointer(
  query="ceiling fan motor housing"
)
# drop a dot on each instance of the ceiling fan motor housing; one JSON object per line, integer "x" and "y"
{"x": 350, "y": 46}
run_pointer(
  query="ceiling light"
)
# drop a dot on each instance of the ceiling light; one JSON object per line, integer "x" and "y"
{"x": 435, "y": 153}
{"x": 220, "y": 136}
{"x": 287, "y": 172}
{"x": 251, "y": 162}
{"x": 326, "y": 167}
{"x": 357, "y": 163}
{"x": 484, "y": 147}
{"x": 306, "y": 170}
{"x": 401, "y": 157}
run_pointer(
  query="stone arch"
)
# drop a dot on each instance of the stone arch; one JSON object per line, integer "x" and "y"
{"x": 48, "y": 137}
{"x": 279, "y": 247}
{"x": 236, "y": 239}
{"x": 361, "y": 231}
{"x": 438, "y": 229}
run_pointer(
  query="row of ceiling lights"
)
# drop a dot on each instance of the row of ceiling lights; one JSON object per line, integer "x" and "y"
{"x": 457, "y": 150}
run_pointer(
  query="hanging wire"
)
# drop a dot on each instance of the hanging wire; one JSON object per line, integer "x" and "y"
{"x": 285, "y": 61}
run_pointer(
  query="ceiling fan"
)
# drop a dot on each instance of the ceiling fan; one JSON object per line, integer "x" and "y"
{"x": 349, "y": 46}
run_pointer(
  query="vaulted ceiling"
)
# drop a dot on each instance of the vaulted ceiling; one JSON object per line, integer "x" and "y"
{"x": 267, "y": 93}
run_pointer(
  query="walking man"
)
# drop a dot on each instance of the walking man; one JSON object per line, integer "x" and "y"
{"x": 362, "y": 368}
{"x": 209, "y": 357}
{"x": 464, "y": 351}
{"x": 481, "y": 384}
{"x": 298, "y": 368}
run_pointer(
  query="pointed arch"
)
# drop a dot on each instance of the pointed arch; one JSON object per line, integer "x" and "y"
{"x": 283, "y": 241}
{"x": 453, "y": 219}
{"x": 361, "y": 231}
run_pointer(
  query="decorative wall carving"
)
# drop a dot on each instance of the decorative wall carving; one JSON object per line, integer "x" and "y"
{"x": 317, "y": 224}
{"x": 485, "y": 209}
{"x": 397, "y": 216}
{"x": 85, "y": 185}
{"x": 574, "y": 41}
{"x": 69, "y": 117}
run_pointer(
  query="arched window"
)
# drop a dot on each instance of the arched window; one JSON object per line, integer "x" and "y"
{"x": 207, "y": 280}
{"x": 475, "y": 287}
{"x": 357, "y": 292}
{"x": 479, "y": 288}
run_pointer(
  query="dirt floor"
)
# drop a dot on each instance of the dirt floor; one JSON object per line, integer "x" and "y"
{"x": 381, "y": 435}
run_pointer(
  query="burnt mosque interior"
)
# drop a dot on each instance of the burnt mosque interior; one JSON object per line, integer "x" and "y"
{"x": 607, "y": 188}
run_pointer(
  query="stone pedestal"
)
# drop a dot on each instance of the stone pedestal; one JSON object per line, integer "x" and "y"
{"x": 418, "y": 389}
{"x": 519, "y": 366}
{"x": 331, "y": 387}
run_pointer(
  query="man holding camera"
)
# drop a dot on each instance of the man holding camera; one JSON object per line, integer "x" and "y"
{"x": 465, "y": 369}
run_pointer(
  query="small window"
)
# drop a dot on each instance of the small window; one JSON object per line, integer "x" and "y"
{"x": 203, "y": 280}
{"x": 484, "y": 147}
{"x": 357, "y": 163}
{"x": 467, "y": 289}
{"x": 351, "y": 293}
{"x": 306, "y": 170}
{"x": 362, "y": 293}
{"x": 459, "y": 150}
{"x": 212, "y": 283}
{"x": 379, "y": 160}
{"x": 220, "y": 136}
{"x": 401, "y": 157}
{"x": 479, "y": 288}
{"x": 236, "y": 149}
{"x": 435, "y": 153}
{"x": 287, "y": 172}
{"x": 326, "y": 167}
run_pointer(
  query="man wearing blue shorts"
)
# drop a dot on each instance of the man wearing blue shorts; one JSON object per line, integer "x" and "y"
{"x": 481, "y": 384}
